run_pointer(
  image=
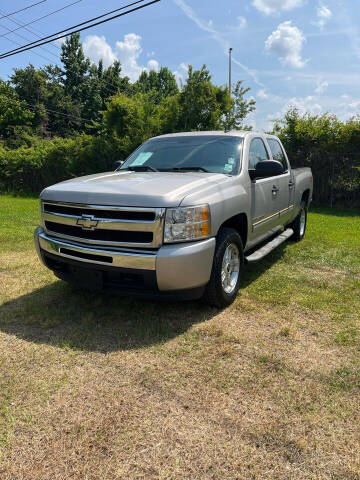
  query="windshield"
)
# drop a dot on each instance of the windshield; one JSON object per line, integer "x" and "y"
{"x": 208, "y": 153}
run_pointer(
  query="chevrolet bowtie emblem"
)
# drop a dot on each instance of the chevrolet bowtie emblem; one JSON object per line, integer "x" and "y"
{"x": 87, "y": 222}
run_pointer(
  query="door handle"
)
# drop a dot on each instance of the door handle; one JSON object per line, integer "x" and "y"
{"x": 291, "y": 184}
{"x": 275, "y": 189}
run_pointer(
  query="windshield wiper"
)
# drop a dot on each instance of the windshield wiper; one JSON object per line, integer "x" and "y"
{"x": 183, "y": 169}
{"x": 141, "y": 168}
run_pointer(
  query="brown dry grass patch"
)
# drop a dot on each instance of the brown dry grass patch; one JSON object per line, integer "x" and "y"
{"x": 100, "y": 388}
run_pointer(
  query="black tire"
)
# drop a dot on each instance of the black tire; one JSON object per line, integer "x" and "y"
{"x": 215, "y": 295}
{"x": 296, "y": 225}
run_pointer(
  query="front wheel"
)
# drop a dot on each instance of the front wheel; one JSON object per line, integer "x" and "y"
{"x": 300, "y": 223}
{"x": 228, "y": 262}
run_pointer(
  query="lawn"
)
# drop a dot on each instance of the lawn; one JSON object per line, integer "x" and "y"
{"x": 98, "y": 387}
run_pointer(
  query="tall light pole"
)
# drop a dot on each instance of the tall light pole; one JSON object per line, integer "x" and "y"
{"x": 230, "y": 54}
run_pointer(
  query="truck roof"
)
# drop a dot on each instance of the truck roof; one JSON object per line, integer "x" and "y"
{"x": 232, "y": 133}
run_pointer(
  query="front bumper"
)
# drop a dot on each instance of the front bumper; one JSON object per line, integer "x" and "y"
{"x": 172, "y": 268}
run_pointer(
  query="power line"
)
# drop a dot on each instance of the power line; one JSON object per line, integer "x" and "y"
{"x": 22, "y": 9}
{"x": 36, "y": 53}
{"x": 75, "y": 26}
{"x": 24, "y": 38}
{"x": 105, "y": 84}
{"x": 33, "y": 32}
{"x": 44, "y": 16}
{"x": 103, "y": 81}
{"x": 30, "y": 30}
{"x": 61, "y": 33}
{"x": 56, "y": 112}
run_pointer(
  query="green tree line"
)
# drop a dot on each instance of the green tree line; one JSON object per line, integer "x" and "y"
{"x": 331, "y": 148}
{"x": 59, "y": 122}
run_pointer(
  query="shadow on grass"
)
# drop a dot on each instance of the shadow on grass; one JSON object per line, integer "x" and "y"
{"x": 68, "y": 317}
{"x": 254, "y": 270}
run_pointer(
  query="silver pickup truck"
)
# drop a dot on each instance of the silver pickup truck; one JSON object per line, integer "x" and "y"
{"x": 178, "y": 219}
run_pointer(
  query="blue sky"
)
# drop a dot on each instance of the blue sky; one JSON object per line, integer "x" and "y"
{"x": 304, "y": 53}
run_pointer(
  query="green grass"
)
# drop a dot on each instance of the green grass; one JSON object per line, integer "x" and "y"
{"x": 94, "y": 386}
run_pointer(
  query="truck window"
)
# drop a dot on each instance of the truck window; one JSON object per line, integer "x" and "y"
{"x": 257, "y": 153}
{"x": 277, "y": 152}
{"x": 214, "y": 153}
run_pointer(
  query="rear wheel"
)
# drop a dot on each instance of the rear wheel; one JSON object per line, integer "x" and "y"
{"x": 228, "y": 262}
{"x": 300, "y": 223}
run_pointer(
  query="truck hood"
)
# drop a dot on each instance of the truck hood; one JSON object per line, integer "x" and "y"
{"x": 132, "y": 189}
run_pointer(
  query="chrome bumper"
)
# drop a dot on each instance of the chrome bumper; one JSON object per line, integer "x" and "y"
{"x": 177, "y": 267}
{"x": 114, "y": 258}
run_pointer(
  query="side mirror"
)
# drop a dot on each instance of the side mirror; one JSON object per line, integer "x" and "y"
{"x": 269, "y": 168}
{"x": 118, "y": 164}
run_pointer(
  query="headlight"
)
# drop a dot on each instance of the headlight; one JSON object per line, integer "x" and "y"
{"x": 187, "y": 223}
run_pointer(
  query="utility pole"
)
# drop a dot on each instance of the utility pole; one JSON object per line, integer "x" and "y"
{"x": 230, "y": 54}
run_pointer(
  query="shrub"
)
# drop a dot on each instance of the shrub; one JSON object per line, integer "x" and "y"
{"x": 30, "y": 169}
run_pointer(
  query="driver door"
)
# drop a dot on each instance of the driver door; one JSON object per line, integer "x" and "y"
{"x": 264, "y": 192}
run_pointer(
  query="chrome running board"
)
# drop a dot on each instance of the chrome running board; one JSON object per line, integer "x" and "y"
{"x": 270, "y": 246}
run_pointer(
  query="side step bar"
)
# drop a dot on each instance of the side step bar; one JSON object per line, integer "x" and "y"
{"x": 269, "y": 247}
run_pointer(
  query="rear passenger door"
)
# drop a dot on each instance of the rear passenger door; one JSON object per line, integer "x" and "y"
{"x": 264, "y": 202}
{"x": 284, "y": 181}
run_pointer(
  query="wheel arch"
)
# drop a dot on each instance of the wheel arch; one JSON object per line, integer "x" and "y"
{"x": 239, "y": 223}
{"x": 306, "y": 197}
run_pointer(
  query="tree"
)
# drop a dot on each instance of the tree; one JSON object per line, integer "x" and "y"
{"x": 30, "y": 86}
{"x": 93, "y": 102}
{"x": 203, "y": 104}
{"x": 112, "y": 82}
{"x": 239, "y": 109}
{"x": 63, "y": 112}
{"x": 131, "y": 121}
{"x": 76, "y": 67}
{"x": 15, "y": 118}
{"x": 162, "y": 83}
{"x": 330, "y": 147}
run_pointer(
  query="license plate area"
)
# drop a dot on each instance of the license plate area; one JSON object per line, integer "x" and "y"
{"x": 88, "y": 277}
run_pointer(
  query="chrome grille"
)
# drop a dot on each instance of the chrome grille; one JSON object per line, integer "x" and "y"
{"x": 104, "y": 225}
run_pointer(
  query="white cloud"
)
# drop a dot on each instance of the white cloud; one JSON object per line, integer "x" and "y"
{"x": 324, "y": 14}
{"x": 216, "y": 35}
{"x": 97, "y": 48}
{"x": 242, "y": 22}
{"x": 287, "y": 42}
{"x": 355, "y": 105}
{"x": 351, "y": 29}
{"x": 304, "y": 105}
{"x": 322, "y": 86}
{"x": 271, "y": 7}
{"x": 262, "y": 94}
{"x": 153, "y": 65}
{"x": 126, "y": 51}
{"x": 181, "y": 73}
{"x": 344, "y": 107}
